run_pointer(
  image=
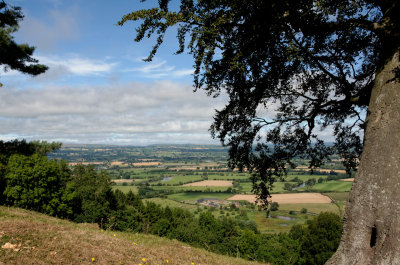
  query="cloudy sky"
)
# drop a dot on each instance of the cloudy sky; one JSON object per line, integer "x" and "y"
{"x": 98, "y": 89}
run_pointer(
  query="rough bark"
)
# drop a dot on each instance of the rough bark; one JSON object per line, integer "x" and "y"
{"x": 371, "y": 232}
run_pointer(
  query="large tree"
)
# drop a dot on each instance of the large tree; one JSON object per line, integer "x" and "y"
{"x": 12, "y": 55}
{"x": 290, "y": 69}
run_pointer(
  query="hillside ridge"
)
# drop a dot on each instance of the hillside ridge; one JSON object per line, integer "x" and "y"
{"x": 28, "y": 237}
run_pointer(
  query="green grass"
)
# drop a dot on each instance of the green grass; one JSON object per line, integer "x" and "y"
{"x": 315, "y": 208}
{"x": 275, "y": 225}
{"x": 227, "y": 176}
{"x": 332, "y": 186}
{"x": 278, "y": 187}
{"x": 342, "y": 197}
{"x": 181, "y": 179}
{"x": 194, "y": 196}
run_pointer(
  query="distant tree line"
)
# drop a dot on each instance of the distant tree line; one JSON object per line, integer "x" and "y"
{"x": 30, "y": 180}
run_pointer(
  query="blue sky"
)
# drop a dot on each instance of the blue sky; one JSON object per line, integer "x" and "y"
{"x": 98, "y": 89}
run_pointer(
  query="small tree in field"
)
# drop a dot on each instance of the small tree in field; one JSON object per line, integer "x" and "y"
{"x": 274, "y": 206}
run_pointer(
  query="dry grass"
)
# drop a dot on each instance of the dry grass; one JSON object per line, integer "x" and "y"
{"x": 40, "y": 239}
{"x": 118, "y": 181}
{"x": 289, "y": 198}
{"x": 210, "y": 183}
{"x": 348, "y": 179}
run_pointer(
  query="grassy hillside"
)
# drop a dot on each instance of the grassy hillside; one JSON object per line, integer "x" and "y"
{"x": 32, "y": 238}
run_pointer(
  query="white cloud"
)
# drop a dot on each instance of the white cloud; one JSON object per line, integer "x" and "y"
{"x": 159, "y": 69}
{"x": 76, "y": 65}
{"x": 134, "y": 113}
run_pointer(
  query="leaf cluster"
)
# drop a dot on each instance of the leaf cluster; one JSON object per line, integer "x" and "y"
{"x": 12, "y": 55}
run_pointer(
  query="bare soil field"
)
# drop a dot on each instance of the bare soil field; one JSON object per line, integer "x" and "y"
{"x": 289, "y": 198}
{"x": 210, "y": 183}
{"x": 349, "y": 179}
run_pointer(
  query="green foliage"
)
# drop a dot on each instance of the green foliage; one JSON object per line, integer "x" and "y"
{"x": 319, "y": 239}
{"x": 279, "y": 249}
{"x": 94, "y": 199}
{"x": 33, "y": 182}
{"x": 12, "y": 55}
{"x": 85, "y": 195}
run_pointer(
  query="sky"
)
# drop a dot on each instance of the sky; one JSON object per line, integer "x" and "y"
{"x": 98, "y": 89}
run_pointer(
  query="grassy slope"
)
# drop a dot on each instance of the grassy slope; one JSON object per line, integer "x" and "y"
{"x": 46, "y": 240}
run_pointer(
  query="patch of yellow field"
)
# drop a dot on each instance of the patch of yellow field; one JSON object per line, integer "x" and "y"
{"x": 289, "y": 198}
{"x": 143, "y": 164}
{"x": 122, "y": 180}
{"x": 210, "y": 183}
{"x": 349, "y": 179}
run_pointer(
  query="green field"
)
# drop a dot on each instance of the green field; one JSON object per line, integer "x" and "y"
{"x": 181, "y": 179}
{"x": 332, "y": 186}
{"x": 277, "y": 188}
{"x": 194, "y": 196}
{"x": 315, "y": 208}
{"x": 227, "y": 176}
{"x": 342, "y": 197}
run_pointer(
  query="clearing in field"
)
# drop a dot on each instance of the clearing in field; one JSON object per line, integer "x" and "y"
{"x": 210, "y": 183}
{"x": 289, "y": 198}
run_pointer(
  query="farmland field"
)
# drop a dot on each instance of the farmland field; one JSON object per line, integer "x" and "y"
{"x": 333, "y": 186}
{"x": 179, "y": 175}
{"x": 181, "y": 179}
{"x": 210, "y": 183}
{"x": 290, "y": 198}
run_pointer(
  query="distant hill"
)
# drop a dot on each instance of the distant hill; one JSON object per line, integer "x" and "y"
{"x": 31, "y": 238}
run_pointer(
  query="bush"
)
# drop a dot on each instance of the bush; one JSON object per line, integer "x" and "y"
{"x": 274, "y": 206}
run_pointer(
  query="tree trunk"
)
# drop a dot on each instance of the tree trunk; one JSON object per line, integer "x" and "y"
{"x": 371, "y": 230}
